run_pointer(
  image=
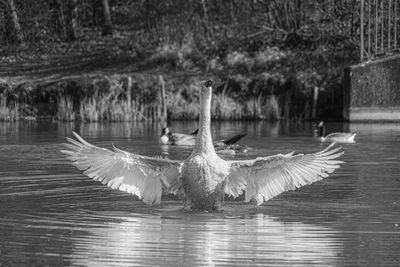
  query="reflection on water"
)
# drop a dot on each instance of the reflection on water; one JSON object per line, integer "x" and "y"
{"x": 203, "y": 239}
{"x": 51, "y": 214}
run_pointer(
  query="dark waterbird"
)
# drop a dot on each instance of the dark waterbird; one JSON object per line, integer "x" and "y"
{"x": 225, "y": 146}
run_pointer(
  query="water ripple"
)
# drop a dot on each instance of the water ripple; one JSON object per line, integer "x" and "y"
{"x": 51, "y": 214}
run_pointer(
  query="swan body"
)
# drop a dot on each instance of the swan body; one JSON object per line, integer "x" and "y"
{"x": 335, "y": 137}
{"x": 201, "y": 192}
{"x": 203, "y": 178}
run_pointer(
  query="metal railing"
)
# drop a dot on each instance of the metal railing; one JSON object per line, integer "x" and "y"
{"x": 379, "y": 28}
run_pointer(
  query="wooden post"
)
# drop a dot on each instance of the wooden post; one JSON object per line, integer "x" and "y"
{"x": 129, "y": 98}
{"x": 361, "y": 30}
{"x": 163, "y": 99}
{"x": 315, "y": 102}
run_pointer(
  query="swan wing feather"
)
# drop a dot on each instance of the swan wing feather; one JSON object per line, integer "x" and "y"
{"x": 145, "y": 177}
{"x": 266, "y": 177}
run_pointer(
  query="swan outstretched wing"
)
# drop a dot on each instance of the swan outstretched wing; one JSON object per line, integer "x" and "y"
{"x": 142, "y": 176}
{"x": 266, "y": 177}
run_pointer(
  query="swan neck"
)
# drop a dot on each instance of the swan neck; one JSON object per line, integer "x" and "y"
{"x": 203, "y": 140}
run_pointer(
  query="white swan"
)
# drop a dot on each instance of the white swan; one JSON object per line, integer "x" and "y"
{"x": 203, "y": 178}
{"x": 335, "y": 137}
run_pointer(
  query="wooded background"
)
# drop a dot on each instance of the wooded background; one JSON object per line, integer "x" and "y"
{"x": 210, "y": 24}
{"x": 286, "y": 48}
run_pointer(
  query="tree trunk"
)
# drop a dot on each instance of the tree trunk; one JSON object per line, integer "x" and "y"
{"x": 60, "y": 18}
{"x": 288, "y": 102}
{"x": 15, "y": 21}
{"x": 107, "y": 24}
{"x": 6, "y": 27}
{"x": 73, "y": 24}
{"x": 206, "y": 20}
{"x": 97, "y": 9}
{"x": 163, "y": 115}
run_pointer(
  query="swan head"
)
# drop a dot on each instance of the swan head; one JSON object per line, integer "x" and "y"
{"x": 206, "y": 90}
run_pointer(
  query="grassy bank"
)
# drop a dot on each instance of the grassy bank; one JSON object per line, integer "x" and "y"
{"x": 132, "y": 97}
{"x": 271, "y": 84}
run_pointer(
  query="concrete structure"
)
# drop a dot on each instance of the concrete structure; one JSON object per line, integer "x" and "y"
{"x": 372, "y": 91}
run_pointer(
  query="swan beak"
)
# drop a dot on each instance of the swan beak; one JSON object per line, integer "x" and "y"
{"x": 208, "y": 83}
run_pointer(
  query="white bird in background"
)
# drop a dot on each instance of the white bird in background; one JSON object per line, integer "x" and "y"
{"x": 335, "y": 137}
{"x": 203, "y": 178}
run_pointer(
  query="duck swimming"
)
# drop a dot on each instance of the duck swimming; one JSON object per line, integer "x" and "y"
{"x": 334, "y": 137}
{"x": 203, "y": 179}
{"x": 179, "y": 139}
{"x": 225, "y": 146}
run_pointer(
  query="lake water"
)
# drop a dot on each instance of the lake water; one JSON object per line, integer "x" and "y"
{"x": 52, "y": 215}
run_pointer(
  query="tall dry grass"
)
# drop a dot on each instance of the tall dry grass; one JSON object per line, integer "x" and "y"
{"x": 226, "y": 108}
{"x": 91, "y": 109}
{"x": 254, "y": 108}
{"x": 272, "y": 110}
{"x": 113, "y": 104}
{"x": 119, "y": 103}
{"x": 65, "y": 109}
{"x": 8, "y": 112}
{"x": 265, "y": 108}
{"x": 179, "y": 108}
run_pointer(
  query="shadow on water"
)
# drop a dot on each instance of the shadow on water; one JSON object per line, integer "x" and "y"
{"x": 51, "y": 214}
